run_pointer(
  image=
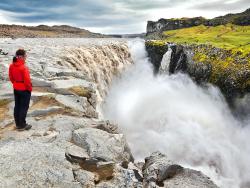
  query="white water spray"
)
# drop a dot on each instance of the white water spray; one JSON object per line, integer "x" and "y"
{"x": 164, "y": 68}
{"x": 193, "y": 126}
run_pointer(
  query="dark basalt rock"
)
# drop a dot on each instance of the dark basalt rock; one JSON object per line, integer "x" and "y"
{"x": 155, "y": 54}
{"x": 171, "y": 24}
{"x": 178, "y": 61}
{"x": 232, "y": 84}
{"x": 155, "y": 29}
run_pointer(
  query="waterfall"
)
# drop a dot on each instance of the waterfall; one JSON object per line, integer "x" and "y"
{"x": 98, "y": 62}
{"x": 164, "y": 67}
{"x": 170, "y": 113}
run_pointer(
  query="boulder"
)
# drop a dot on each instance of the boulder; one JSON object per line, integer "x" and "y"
{"x": 159, "y": 171}
{"x": 102, "y": 145}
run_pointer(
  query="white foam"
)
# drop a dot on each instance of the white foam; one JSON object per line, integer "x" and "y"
{"x": 193, "y": 126}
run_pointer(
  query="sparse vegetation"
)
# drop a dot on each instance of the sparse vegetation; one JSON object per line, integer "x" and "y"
{"x": 4, "y": 102}
{"x": 230, "y": 37}
{"x": 225, "y": 67}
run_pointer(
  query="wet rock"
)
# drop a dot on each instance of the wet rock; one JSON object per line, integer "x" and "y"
{"x": 158, "y": 171}
{"x": 155, "y": 52}
{"x": 178, "y": 61}
{"x": 189, "y": 178}
{"x": 158, "y": 168}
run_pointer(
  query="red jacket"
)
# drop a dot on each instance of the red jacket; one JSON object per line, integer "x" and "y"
{"x": 19, "y": 75}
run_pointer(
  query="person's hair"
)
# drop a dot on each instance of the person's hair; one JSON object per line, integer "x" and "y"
{"x": 19, "y": 52}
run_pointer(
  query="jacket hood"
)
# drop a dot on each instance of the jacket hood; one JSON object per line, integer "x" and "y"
{"x": 19, "y": 62}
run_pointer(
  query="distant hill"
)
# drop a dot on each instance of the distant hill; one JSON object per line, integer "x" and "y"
{"x": 154, "y": 29}
{"x": 18, "y": 31}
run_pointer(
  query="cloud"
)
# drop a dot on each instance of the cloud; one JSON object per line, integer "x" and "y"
{"x": 222, "y": 5}
{"x": 82, "y": 13}
{"x": 149, "y": 4}
{"x": 114, "y": 16}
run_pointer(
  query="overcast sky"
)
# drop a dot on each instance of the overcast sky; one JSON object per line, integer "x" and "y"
{"x": 111, "y": 16}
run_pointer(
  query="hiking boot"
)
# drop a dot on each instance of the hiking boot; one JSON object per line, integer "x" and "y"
{"x": 20, "y": 128}
{"x": 27, "y": 127}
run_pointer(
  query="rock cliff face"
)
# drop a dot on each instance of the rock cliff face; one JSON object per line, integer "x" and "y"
{"x": 69, "y": 144}
{"x": 154, "y": 29}
{"x": 229, "y": 71}
{"x": 171, "y": 24}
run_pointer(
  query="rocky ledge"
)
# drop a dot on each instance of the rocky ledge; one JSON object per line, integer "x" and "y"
{"x": 226, "y": 69}
{"x": 69, "y": 144}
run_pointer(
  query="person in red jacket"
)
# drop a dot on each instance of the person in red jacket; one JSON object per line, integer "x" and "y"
{"x": 20, "y": 78}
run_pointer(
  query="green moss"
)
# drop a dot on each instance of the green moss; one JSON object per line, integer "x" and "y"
{"x": 156, "y": 43}
{"x": 224, "y": 67}
{"x": 230, "y": 37}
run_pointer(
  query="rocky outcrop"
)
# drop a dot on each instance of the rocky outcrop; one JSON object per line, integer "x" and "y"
{"x": 154, "y": 29}
{"x": 155, "y": 51}
{"x": 114, "y": 148}
{"x": 204, "y": 63}
{"x": 171, "y": 24}
{"x": 158, "y": 171}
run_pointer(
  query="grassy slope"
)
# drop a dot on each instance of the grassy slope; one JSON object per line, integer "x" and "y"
{"x": 230, "y": 37}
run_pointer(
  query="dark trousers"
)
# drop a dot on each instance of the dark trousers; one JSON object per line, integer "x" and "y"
{"x": 22, "y": 101}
